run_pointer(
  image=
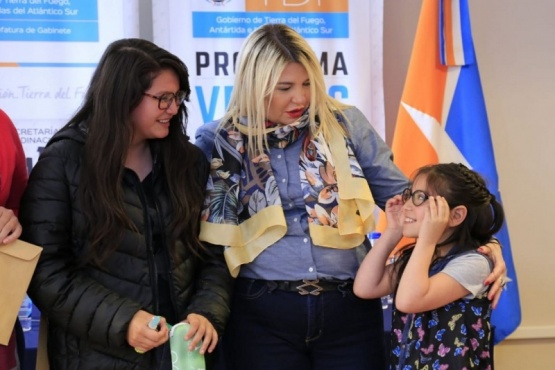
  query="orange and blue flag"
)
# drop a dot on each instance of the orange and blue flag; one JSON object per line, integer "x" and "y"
{"x": 442, "y": 118}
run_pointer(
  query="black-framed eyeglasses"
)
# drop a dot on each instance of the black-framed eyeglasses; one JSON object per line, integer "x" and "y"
{"x": 418, "y": 196}
{"x": 165, "y": 100}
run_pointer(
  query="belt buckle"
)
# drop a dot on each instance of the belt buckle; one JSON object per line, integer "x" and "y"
{"x": 310, "y": 284}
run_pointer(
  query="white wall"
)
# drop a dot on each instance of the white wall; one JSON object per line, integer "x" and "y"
{"x": 515, "y": 48}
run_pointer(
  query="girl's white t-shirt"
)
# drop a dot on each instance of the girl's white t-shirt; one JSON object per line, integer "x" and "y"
{"x": 470, "y": 270}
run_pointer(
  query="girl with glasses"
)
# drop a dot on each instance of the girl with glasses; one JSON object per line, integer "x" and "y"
{"x": 441, "y": 315}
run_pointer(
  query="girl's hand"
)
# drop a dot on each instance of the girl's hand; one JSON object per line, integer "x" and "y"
{"x": 10, "y": 228}
{"x": 394, "y": 214}
{"x": 143, "y": 338}
{"x": 435, "y": 221}
{"x": 201, "y": 329}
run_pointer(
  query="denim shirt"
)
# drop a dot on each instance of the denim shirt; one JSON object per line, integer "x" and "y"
{"x": 294, "y": 257}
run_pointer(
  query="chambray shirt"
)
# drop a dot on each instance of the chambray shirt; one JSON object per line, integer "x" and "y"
{"x": 294, "y": 257}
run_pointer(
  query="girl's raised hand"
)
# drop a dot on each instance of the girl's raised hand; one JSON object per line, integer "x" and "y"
{"x": 394, "y": 213}
{"x": 435, "y": 220}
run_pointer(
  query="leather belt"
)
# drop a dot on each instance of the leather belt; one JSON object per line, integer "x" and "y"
{"x": 312, "y": 287}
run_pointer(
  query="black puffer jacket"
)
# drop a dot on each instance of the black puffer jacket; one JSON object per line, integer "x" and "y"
{"x": 87, "y": 321}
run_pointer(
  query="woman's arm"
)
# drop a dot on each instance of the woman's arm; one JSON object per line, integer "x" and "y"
{"x": 375, "y": 157}
{"x": 210, "y": 306}
{"x": 19, "y": 173}
{"x": 209, "y": 309}
{"x": 61, "y": 290}
{"x": 13, "y": 179}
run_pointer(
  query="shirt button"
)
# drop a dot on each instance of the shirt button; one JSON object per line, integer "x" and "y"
{"x": 305, "y": 240}
{"x": 282, "y": 180}
{"x": 295, "y": 219}
{"x": 311, "y": 269}
{"x": 291, "y": 205}
{"x": 279, "y": 156}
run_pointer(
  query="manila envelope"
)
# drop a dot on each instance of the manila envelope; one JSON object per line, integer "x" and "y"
{"x": 17, "y": 264}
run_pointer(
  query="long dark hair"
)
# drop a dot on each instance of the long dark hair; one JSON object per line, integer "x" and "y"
{"x": 125, "y": 71}
{"x": 460, "y": 185}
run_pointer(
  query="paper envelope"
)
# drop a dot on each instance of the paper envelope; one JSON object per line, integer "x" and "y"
{"x": 17, "y": 264}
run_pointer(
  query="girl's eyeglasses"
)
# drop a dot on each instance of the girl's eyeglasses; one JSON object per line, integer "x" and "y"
{"x": 418, "y": 197}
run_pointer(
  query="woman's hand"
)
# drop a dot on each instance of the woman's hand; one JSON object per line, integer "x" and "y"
{"x": 10, "y": 228}
{"x": 201, "y": 329}
{"x": 498, "y": 277}
{"x": 141, "y": 337}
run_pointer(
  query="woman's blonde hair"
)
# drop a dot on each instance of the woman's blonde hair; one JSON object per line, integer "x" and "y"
{"x": 262, "y": 59}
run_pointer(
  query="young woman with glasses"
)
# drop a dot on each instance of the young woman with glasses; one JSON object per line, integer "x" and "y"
{"x": 441, "y": 315}
{"x": 115, "y": 201}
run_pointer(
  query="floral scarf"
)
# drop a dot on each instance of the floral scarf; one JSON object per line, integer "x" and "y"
{"x": 243, "y": 207}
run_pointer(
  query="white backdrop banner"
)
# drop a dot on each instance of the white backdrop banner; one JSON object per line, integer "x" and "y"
{"x": 207, "y": 35}
{"x": 48, "y": 51}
